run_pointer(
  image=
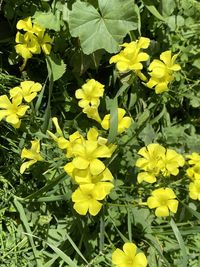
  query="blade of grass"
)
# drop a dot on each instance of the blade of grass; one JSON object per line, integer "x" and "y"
{"x": 181, "y": 243}
{"x": 58, "y": 251}
{"x": 113, "y": 120}
{"x": 24, "y": 220}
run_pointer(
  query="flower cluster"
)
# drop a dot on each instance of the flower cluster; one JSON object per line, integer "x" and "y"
{"x": 13, "y": 109}
{"x": 86, "y": 169}
{"x": 130, "y": 57}
{"x": 128, "y": 257}
{"x": 193, "y": 173}
{"x": 160, "y": 71}
{"x": 33, "y": 41}
{"x": 156, "y": 160}
{"x": 89, "y": 96}
{"x": 159, "y": 161}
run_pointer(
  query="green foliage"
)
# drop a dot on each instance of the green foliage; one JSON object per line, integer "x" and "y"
{"x": 38, "y": 225}
{"x": 113, "y": 21}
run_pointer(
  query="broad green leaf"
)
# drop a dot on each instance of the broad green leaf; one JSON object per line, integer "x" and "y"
{"x": 48, "y": 20}
{"x": 104, "y": 29}
{"x": 56, "y": 66}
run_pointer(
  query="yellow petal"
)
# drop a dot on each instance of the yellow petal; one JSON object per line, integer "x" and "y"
{"x": 30, "y": 97}
{"x": 152, "y": 202}
{"x": 13, "y": 119}
{"x": 80, "y": 163}
{"x": 166, "y": 57}
{"x": 143, "y": 42}
{"x": 119, "y": 257}
{"x": 94, "y": 207}
{"x": 4, "y": 102}
{"x": 161, "y": 87}
{"x": 130, "y": 249}
{"x": 92, "y": 134}
{"x": 106, "y": 122}
{"x": 26, "y": 165}
{"x": 162, "y": 211}
{"x": 3, "y": 114}
{"x": 140, "y": 260}
{"x": 96, "y": 166}
{"x": 81, "y": 207}
{"x": 101, "y": 190}
{"x": 172, "y": 205}
{"x": 22, "y": 50}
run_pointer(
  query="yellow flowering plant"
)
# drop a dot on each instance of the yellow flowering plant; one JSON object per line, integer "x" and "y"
{"x": 163, "y": 200}
{"x": 87, "y": 197}
{"x": 128, "y": 257}
{"x": 161, "y": 72}
{"x": 124, "y": 122}
{"x": 194, "y": 190}
{"x": 12, "y": 110}
{"x": 131, "y": 56}
{"x": 96, "y": 168}
{"x": 27, "y": 90}
{"x": 33, "y": 41}
{"x": 156, "y": 160}
{"x": 32, "y": 154}
{"x": 90, "y": 93}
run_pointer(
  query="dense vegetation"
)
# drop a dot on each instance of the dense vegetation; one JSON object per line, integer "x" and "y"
{"x": 100, "y": 136}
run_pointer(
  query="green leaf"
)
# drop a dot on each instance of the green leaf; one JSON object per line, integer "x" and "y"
{"x": 168, "y": 7}
{"x": 24, "y": 220}
{"x": 56, "y": 66}
{"x": 113, "y": 120}
{"x": 104, "y": 29}
{"x": 181, "y": 243}
{"x": 150, "y": 6}
{"x": 48, "y": 20}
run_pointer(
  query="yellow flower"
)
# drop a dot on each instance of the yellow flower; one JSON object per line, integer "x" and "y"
{"x": 87, "y": 197}
{"x": 163, "y": 199}
{"x": 152, "y": 158}
{"x": 123, "y": 122}
{"x": 194, "y": 158}
{"x": 45, "y": 41}
{"x": 130, "y": 57}
{"x": 90, "y": 93}
{"x": 128, "y": 257}
{"x": 27, "y": 25}
{"x": 12, "y": 111}
{"x": 33, "y": 154}
{"x": 92, "y": 113}
{"x": 194, "y": 172}
{"x": 161, "y": 72}
{"x": 171, "y": 161}
{"x": 27, "y": 45}
{"x": 87, "y": 154}
{"x": 32, "y": 41}
{"x": 27, "y": 90}
{"x": 62, "y": 142}
{"x": 194, "y": 190}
